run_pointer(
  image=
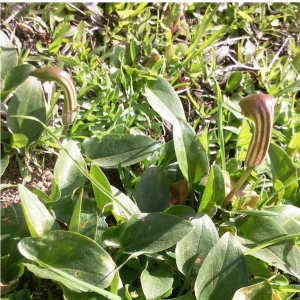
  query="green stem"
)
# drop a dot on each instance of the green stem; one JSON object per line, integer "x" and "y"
{"x": 272, "y": 242}
{"x": 65, "y": 81}
{"x": 238, "y": 185}
{"x": 183, "y": 287}
{"x": 220, "y": 126}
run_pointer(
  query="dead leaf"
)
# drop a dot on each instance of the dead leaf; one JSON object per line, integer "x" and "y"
{"x": 179, "y": 191}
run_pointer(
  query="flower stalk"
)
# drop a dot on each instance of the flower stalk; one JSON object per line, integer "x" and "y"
{"x": 62, "y": 78}
{"x": 260, "y": 108}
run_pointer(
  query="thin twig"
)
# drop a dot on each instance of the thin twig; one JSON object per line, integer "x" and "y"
{"x": 225, "y": 42}
{"x": 277, "y": 54}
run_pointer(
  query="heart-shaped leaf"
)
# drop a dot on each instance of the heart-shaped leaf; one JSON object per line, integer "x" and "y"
{"x": 29, "y": 100}
{"x": 18, "y": 141}
{"x": 150, "y": 233}
{"x": 156, "y": 281}
{"x": 151, "y": 193}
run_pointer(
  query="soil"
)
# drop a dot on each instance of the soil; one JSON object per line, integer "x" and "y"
{"x": 41, "y": 178}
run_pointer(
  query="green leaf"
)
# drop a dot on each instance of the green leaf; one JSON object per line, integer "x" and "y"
{"x": 29, "y": 100}
{"x": 118, "y": 211}
{"x": 182, "y": 211}
{"x": 13, "y": 229}
{"x": 219, "y": 185}
{"x": 69, "y": 256}
{"x": 233, "y": 81}
{"x": 38, "y": 218}
{"x": 72, "y": 295}
{"x": 259, "y": 291}
{"x": 191, "y": 156}
{"x": 167, "y": 154}
{"x": 223, "y": 271}
{"x": 85, "y": 220}
{"x": 42, "y": 195}
{"x": 101, "y": 199}
{"x": 152, "y": 193}
{"x": 150, "y": 233}
{"x": 14, "y": 271}
{"x": 192, "y": 250}
{"x": 257, "y": 267}
{"x": 4, "y": 162}
{"x": 283, "y": 169}
{"x": 156, "y": 281}
{"x": 294, "y": 145}
{"x": 289, "y": 288}
{"x": 202, "y": 28}
{"x": 47, "y": 273}
{"x": 214, "y": 193}
{"x": 288, "y": 217}
{"x": 111, "y": 149}
{"x": 112, "y": 236}
{"x": 16, "y": 76}
{"x": 123, "y": 207}
{"x": 292, "y": 88}
{"x": 256, "y": 230}
{"x": 88, "y": 224}
{"x": 204, "y": 45}
{"x": 75, "y": 219}
{"x": 185, "y": 297}
{"x": 163, "y": 99}
{"x": 66, "y": 174}
{"x": 7, "y": 287}
{"x": 69, "y": 61}
{"x": 279, "y": 188}
{"x": 296, "y": 61}
{"x": 18, "y": 141}
{"x": 244, "y": 139}
{"x": 8, "y": 55}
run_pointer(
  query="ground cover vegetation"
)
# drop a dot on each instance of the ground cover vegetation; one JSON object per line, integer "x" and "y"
{"x": 170, "y": 133}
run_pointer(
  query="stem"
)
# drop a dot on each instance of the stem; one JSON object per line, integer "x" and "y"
{"x": 220, "y": 127}
{"x": 260, "y": 107}
{"x": 237, "y": 186}
{"x": 65, "y": 81}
